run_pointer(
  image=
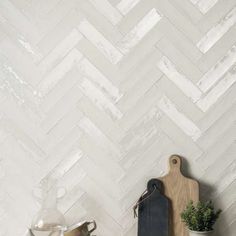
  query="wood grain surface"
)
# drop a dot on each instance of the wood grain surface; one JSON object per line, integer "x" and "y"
{"x": 180, "y": 190}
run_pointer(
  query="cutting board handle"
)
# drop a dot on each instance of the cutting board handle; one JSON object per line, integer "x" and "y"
{"x": 175, "y": 163}
{"x": 154, "y": 184}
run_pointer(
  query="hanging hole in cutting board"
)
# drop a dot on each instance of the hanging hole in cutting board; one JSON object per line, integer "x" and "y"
{"x": 174, "y": 161}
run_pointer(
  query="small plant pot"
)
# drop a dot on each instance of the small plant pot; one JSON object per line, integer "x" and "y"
{"x": 200, "y": 233}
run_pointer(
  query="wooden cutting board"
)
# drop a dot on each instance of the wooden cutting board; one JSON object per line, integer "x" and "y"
{"x": 180, "y": 190}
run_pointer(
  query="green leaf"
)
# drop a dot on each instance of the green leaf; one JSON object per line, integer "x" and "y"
{"x": 200, "y": 217}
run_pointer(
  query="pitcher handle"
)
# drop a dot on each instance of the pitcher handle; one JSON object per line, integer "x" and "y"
{"x": 94, "y": 226}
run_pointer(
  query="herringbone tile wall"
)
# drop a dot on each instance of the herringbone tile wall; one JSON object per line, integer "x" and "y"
{"x": 101, "y": 92}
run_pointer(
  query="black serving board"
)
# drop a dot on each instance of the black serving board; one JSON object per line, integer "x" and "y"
{"x": 153, "y": 211}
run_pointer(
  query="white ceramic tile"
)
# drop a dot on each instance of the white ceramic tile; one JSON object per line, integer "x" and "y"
{"x": 96, "y": 96}
{"x": 186, "y": 125}
{"x": 87, "y": 69}
{"x": 125, "y": 6}
{"x": 59, "y": 72}
{"x": 218, "y": 70}
{"x": 61, "y": 50}
{"x": 139, "y": 31}
{"x": 110, "y": 12}
{"x": 100, "y": 42}
{"x": 184, "y": 84}
{"x": 215, "y": 93}
{"x": 217, "y": 32}
{"x": 205, "y": 5}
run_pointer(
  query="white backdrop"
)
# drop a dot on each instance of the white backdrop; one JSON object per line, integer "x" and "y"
{"x": 101, "y": 92}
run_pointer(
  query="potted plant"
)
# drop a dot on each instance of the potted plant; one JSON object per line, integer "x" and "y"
{"x": 200, "y": 218}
